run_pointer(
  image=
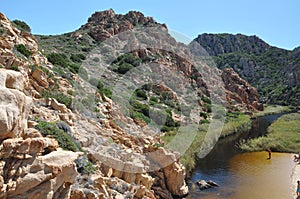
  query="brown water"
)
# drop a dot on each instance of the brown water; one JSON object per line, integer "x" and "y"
{"x": 244, "y": 175}
{"x": 253, "y": 176}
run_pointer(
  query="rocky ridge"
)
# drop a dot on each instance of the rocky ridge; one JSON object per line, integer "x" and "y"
{"x": 273, "y": 71}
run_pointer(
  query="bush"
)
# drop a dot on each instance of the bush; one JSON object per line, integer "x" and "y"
{"x": 124, "y": 68}
{"x": 139, "y": 107}
{"x": 64, "y": 140}
{"x": 77, "y": 57}
{"x": 60, "y": 97}
{"x": 206, "y": 100}
{"x": 23, "y": 50}
{"x": 141, "y": 94}
{"x": 84, "y": 165}
{"x": 22, "y": 25}
{"x": 204, "y": 115}
{"x": 15, "y": 68}
{"x": 153, "y": 100}
{"x": 140, "y": 116}
{"x": 58, "y": 59}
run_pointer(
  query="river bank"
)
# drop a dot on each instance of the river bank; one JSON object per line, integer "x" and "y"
{"x": 235, "y": 170}
{"x": 283, "y": 135}
{"x": 271, "y": 109}
{"x": 234, "y": 124}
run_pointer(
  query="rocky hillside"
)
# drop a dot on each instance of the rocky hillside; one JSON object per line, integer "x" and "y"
{"x": 107, "y": 24}
{"x": 273, "y": 71}
{"x": 63, "y": 131}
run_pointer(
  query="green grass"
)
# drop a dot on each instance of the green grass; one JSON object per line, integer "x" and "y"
{"x": 236, "y": 124}
{"x": 283, "y": 136}
{"x": 271, "y": 109}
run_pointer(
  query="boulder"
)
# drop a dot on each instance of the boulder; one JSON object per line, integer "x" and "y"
{"x": 175, "y": 179}
{"x": 14, "y": 104}
{"x": 40, "y": 77}
{"x": 206, "y": 184}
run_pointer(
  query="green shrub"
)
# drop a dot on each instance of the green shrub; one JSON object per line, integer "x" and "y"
{"x": 153, "y": 100}
{"x": 74, "y": 67}
{"x": 106, "y": 91}
{"x": 124, "y": 68}
{"x": 84, "y": 165}
{"x": 60, "y": 97}
{"x": 22, "y": 25}
{"x": 141, "y": 94}
{"x": 77, "y": 57}
{"x": 64, "y": 140}
{"x": 139, "y": 107}
{"x": 204, "y": 115}
{"x": 23, "y": 50}
{"x": 89, "y": 168}
{"x": 206, "y": 100}
{"x": 204, "y": 121}
{"x": 15, "y": 68}
{"x": 126, "y": 62}
{"x": 58, "y": 59}
{"x": 140, "y": 116}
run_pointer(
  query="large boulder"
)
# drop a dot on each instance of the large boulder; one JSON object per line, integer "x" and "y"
{"x": 14, "y": 104}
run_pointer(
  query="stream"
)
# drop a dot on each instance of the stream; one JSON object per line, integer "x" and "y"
{"x": 244, "y": 175}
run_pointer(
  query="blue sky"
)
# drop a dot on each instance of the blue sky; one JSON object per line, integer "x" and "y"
{"x": 276, "y": 21}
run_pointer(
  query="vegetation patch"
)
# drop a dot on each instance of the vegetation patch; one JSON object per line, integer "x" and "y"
{"x": 23, "y": 50}
{"x": 283, "y": 136}
{"x": 60, "y": 97}
{"x": 21, "y": 25}
{"x": 64, "y": 140}
{"x": 272, "y": 109}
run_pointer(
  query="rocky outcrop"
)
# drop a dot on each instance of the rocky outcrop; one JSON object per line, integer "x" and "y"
{"x": 218, "y": 44}
{"x": 10, "y": 37}
{"x": 206, "y": 184}
{"x": 103, "y": 25}
{"x": 14, "y": 104}
{"x": 34, "y": 176}
{"x": 239, "y": 92}
{"x": 29, "y": 167}
{"x": 273, "y": 71}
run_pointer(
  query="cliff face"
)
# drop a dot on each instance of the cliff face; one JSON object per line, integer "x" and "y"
{"x": 273, "y": 71}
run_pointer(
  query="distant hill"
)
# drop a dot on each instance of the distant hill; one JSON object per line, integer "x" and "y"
{"x": 275, "y": 72}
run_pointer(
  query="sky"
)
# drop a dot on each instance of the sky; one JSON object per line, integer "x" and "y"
{"x": 277, "y": 22}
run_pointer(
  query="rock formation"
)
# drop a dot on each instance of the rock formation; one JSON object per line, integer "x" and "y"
{"x": 273, "y": 71}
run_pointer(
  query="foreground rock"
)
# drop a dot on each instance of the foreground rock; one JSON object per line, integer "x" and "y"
{"x": 29, "y": 167}
{"x": 206, "y": 184}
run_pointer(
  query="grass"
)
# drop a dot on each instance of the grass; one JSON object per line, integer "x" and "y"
{"x": 283, "y": 136}
{"x": 272, "y": 109}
